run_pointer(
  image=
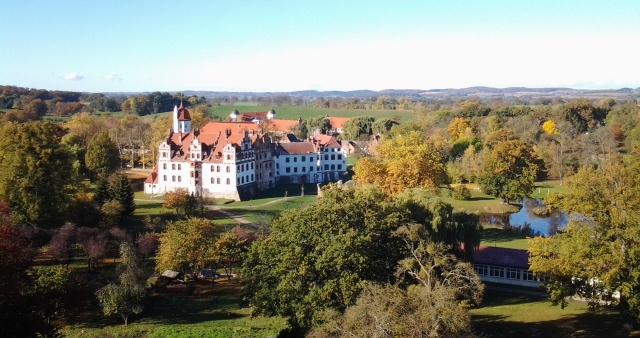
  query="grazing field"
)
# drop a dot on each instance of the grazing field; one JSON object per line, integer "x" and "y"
{"x": 504, "y": 314}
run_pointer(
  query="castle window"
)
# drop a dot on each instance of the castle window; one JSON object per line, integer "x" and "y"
{"x": 228, "y": 157}
{"x": 228, "y": 181}
{"x": 218, "y": 180}
{"x": 304, "y": 158}
{"x": 251, "y": 165}
{"x": 326, "y": 167}
{"x": 211, "y": 168}
{"x": 242, "y": 180}
{"x": 295, "y": 169}
{"x": 164, "y": 154}
{"x": 304, "y": 169}
{"x": 198, "y": 155}
{"x": 164, "y": 166}
{"x": 339, "y": 166}
{"x": 326, "y": 157}
{"x": 295, "y": 159}
{"x": 333, "y": 167}
{"x": 173, "y": 178}
{"x": 333, "y": 157}
{"x": 218, "y": 168}
{"x": 288, "y": 170}
{"x": 179, "y": 178}
{"x": 310, "y": 168}
{"x": 211, "y": 180}
{"x": 252, "y": 177}
{"x": 179, "y": 166}
{"x": 173, "y": 166}
{"x": 339, "y": 156}
{"x": 164, "y": 178}
{"x": 228, "y": 169}
{"x": 287, "y": 160}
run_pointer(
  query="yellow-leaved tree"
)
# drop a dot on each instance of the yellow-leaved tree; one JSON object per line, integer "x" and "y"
{"x": 459, "y": 128}
{"x": 549, "y": 127}
{"x": 404, "y": 161}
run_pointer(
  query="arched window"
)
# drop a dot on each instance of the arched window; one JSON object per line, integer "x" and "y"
{"x": 211, "y": 170}
{"x": 164, "y": 177}
{"x": 211, "y": 180}
{"x": 218, "y": 180}
{"x": 173, "y": 178}
{"x": 217, "y": 168}
{"x": 252, "y": 177}
{"x": 179, "y": 178}
{"x": 228, "y": 169}
{"x": 164, "y": 166}
{"x": 179, "y": 166}
{"x": 173, "y": 166}
{"x": 228, "y": 181}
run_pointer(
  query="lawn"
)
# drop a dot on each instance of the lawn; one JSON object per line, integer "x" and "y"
{"x": 503, "y": 238}
{"x": 213, "y": 310}
{"x": 504, "y": 314}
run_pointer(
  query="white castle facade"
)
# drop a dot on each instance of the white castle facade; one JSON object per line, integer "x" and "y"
{"x": 235, "y": 160}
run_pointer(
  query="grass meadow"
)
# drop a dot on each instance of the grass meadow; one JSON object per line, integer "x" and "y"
{"x": 293, "y": 112}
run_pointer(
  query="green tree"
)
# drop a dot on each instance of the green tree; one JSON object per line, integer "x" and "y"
{"x": 35, "y": 173}
{"x": 316, "y": 257}
{"x": 121, "y": 299}
{"x": 102, "y": 193}
{"x": 51, "y": 287}
{"x": 354, "y": 127}
{"x": 102, "y": 157}
{"x": 121, "y": 191}
{"x": 111, "y": 212}
{"x": 177, "y": 199}
{"x": 509, "y": 170}
{"x": 186, "y": 245}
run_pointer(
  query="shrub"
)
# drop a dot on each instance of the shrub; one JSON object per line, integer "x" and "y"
{"x": 461, "y": 193}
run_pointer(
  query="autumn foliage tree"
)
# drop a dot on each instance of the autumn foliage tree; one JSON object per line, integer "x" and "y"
{"x": 599, "y": 253}
{"x": 186, "y": 245}
{"x": 404, "y": 161}
{"x": 509, "y": 170}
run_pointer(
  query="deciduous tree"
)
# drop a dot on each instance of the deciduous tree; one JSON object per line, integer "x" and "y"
{"x": 186, "y": 245}
{"x": 103, "y": 157}
{"x": 406, "y": 161}
{"x": 509, "y": 170}
{"x": 35, "y": 173}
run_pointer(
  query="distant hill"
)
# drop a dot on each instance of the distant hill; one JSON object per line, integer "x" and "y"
{"x": 481, "y": 92}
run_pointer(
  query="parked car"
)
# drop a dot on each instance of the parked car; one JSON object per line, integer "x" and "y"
{"x": 208, "y": 274}
{"x": 126, "y": 166}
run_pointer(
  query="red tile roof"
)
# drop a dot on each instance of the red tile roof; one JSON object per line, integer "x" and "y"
{"x": 337, "y": 122}
{"x": 297, "y": 148}
{"x": 326, "y": 140}
{"x": 153, "y": 177}
{"x": 284, "y": 126}
{"x": 183, "y": 114}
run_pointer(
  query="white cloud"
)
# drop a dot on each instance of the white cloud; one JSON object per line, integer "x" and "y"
{"x": 111, "y": 76}
{"x": 73, "y": 77}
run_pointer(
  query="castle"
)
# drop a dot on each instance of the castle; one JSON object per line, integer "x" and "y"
{"x": 235, "y": 160}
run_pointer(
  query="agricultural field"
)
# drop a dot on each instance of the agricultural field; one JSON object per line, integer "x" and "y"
{"x": 293, "y": 112}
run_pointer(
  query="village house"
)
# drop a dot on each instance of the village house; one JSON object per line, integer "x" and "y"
{"x": 235, "y": 160}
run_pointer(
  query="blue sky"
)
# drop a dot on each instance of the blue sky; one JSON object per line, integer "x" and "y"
{"x": 120, "y": 46}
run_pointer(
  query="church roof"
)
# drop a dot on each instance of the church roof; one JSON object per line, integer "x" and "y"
{"x": 183, "y": 114}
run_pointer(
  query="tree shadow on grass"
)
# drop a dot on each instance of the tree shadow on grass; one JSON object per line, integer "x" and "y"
{"x": 582, "y": 325}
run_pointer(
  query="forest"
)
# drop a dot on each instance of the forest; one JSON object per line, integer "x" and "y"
{"x": 387, "y": 258}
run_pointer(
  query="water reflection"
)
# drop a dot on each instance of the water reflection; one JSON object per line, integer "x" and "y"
{"x": 527, "y": 220}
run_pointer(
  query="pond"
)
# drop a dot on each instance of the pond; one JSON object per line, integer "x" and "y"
{"x": 528, "y": 221}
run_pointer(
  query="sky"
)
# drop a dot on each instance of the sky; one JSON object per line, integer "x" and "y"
{"x": 272, "y": 46}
